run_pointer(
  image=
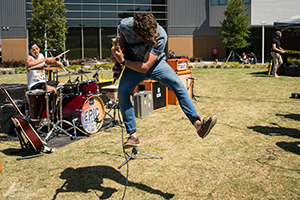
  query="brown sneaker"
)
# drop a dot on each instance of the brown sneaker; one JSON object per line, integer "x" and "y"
{"x": 132, "y": 142}
{"x": 207, "y": 125}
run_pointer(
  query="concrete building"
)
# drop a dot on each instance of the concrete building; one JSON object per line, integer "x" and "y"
{"x": 13, "y": 32}
{"x": 193, "y": 26}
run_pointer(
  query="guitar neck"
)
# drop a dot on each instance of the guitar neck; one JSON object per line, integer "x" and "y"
{"x": 11, "y": 100}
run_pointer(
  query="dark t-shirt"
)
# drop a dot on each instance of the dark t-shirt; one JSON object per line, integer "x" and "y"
{"x": 275, "y": 41}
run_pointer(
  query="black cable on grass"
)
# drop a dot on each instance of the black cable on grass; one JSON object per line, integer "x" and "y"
{"x": 125, "y": 155}
{"x": 234, "y": 126}
{"x": 273, "y": 156}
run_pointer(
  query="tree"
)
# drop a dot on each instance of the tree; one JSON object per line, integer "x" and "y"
{"x": 235, "y": 29}
{"x": 48, "y": 23}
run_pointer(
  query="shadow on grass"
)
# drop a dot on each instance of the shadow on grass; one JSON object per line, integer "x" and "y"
{"x": 85, "y": 179}
{"x": 260, "y": 74}
{"x": 292, "y": 147}
{"x": 276, "y": 131}
{"x": 290, "y": 116}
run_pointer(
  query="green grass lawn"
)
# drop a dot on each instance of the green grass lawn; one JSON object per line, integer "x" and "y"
{"x": 253, "y": 152}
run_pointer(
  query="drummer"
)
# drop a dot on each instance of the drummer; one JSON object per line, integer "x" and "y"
{"x": 36, "y": 78}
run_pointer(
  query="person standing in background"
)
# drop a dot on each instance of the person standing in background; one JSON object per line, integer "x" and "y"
{"x": 214, "y": 53}
{"x": 275, "y": 53}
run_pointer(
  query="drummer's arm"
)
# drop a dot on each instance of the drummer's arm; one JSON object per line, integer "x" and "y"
{"x": 31, "y": 62}
{"x": 58, "y": 63}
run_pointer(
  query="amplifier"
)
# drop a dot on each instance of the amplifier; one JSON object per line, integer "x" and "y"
{"x": 16, "y": 91}
{"x": 6, "y": 112}
{"x": 159, "y": 92}
{"x": 179, "y": 64}
{"x": 186, "y": 78}
{"x": 143, "y": 104}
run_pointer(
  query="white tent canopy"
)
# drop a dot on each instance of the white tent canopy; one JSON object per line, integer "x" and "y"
{"x": 289, "y": 23}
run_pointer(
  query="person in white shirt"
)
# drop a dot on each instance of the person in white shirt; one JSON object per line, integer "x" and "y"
{"x": 36, "y": 78}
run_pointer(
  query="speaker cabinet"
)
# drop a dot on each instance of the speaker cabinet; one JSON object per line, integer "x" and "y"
{"x": 16, "y": 91}
{"x": 186, "y": 78}
{"x": 6, "y": 112}
{"x": 159, "y": 91}
{"x": 179, "y": 64}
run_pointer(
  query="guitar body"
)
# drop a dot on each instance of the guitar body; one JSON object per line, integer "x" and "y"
{"x": 27, "y": 131}
{"x": 29, "y": 134}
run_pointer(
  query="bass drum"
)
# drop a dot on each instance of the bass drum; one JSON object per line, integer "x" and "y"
{"x": 86, "y": 109}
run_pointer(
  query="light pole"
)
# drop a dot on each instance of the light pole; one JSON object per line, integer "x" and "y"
{"x": 263, "y": 41}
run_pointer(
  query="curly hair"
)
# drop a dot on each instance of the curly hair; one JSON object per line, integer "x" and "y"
{"x": 145, "y": 26}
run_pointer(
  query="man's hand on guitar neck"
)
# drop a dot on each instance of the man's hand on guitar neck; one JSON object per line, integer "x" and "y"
{"x": 117, "y": 54}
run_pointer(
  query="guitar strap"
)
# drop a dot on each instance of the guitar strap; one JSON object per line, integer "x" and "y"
{"x": 128, "y": 48}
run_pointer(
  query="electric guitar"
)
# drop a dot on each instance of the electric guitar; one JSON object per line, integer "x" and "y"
{"x": 117, "y": 68}
{"x": 27, "y": 131}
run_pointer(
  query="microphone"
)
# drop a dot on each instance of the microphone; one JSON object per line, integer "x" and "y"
{"x": 95, "y": 75}
{"x": 52, "y": 49}
{"x": 76, "y": 80}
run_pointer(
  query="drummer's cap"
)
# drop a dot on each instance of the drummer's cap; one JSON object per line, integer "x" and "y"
{"x": 33, "y": 44}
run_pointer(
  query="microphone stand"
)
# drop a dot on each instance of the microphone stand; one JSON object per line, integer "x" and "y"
{"x": 192, "y": 83}
{"x": 135, "y": 152}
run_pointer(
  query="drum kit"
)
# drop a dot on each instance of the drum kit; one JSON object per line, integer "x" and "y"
{"x": 75, "y": 106}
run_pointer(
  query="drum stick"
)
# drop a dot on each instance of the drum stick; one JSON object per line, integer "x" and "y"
{"x": 60, "y": 56}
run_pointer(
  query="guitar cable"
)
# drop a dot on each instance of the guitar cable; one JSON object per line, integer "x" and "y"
{"x": 125, "y": 156}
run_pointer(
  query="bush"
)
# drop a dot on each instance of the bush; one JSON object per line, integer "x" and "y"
{"x": 192, "y": 59}
{"x": 3, "y": 72}
{"x": 12, "y": 64}
{"x": 20, "y": 70}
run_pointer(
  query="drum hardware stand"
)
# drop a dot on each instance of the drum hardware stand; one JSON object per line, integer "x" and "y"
{"x": 57, "y": 127}
{"x": 59, "y": 122}
{"x": 46, "y": 122}
{"x": 112, "y": 105}
{"x": 135, "y": 152}
{"x": 75, "y": 127}
{"x": 193, "y": 83}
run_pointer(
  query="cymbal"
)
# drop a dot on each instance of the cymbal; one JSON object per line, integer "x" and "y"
{"x": 52, "y": 68}
{"x": 47, "y": 67}
{"x": 83, "y": 72}
{"x": 90, "y": 62}
{"x": 69, "y": 74}
{"x": 37, "y": 67}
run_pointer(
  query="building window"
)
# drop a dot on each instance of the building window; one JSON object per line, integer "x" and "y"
{"x": 92, "y": 23}
{"x": 214, "y": 2}
{"x": 224, "y": 2}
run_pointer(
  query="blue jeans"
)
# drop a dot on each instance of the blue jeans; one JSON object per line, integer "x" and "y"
{"x": 162, "y": 73}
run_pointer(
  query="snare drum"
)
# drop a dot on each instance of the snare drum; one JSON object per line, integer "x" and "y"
{"x": 87, "y": 87}
{"x": 85, "y": 108}
{"x": 36, "y": 100}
